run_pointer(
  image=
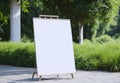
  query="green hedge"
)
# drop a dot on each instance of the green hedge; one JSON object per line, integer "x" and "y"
{"x": 89, "y": 56}
{"x": 97, "y": 56}
{"x": 18, "y": 54}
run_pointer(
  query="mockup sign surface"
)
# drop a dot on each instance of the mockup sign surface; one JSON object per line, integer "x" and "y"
{"x": 54, "y": 46}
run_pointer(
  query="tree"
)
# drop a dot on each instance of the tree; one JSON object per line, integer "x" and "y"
{"x": 115, "y": 30}
{"x": 110, "y": 17}
{"x": 4, "y": 20}
{"x": 98, "y": 15}
{"x": 30, "y": 9}
{"x": 90, "y": 12}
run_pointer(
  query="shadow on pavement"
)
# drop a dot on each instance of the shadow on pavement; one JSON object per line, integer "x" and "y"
{"x": 43, "y": 79}
{"x": 9, "y": 70}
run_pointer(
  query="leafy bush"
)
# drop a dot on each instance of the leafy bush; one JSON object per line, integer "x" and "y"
{"x": 104, "y": 38}
{"x": 90, "y": 56}
{"x": 18, "y": 54}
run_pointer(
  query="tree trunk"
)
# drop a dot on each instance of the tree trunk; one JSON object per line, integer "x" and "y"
{"x": 15, "y": 21}
{"x": 80, "y": 33}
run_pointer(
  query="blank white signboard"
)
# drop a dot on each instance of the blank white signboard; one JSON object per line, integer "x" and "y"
{"x": 54, "y": 46}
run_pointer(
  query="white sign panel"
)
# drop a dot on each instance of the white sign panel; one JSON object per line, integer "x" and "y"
{"x": 54, "y": 46}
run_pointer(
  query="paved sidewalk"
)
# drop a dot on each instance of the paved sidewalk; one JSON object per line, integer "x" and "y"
{"x": 11, "y": 74}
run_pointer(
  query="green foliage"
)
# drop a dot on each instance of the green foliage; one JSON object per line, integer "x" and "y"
{"x": 25, "y": 5}
{"x": 111, "y": 17}
{"x": 17, "y": 54}
{"x": 25, "y": 39}
{"x": 115, "y": 30}
{"x": 104, "y": 38}
{"x": 89, "y": 56}
{"x": 97, "y": 14}
{"x": 107, "y": 14}
{"x": 95, "y": 56}
{"x": 32, "y": 9}
{"x": 4, "y": 20}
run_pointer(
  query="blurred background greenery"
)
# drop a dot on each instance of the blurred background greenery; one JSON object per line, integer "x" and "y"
{"x": 101, "y": 21}
{"x": 99, "y": 17}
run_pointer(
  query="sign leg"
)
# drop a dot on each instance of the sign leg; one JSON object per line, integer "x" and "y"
{"x": 72, "y": 75}
{"x": 40, "y": 78}
{"x": 57, "y": 75}
{"x": 34, "y": 74}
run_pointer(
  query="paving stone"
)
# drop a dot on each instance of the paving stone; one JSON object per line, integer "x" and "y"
{"x": 11, "y": 74}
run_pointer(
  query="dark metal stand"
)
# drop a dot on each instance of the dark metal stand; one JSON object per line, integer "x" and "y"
{"x": 72, "y": 75}
{"x": 33, "y": 74}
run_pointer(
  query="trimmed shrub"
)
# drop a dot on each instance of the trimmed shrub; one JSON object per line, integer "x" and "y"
{"x": 89, "y": 56}
{"x": 97, "y": 56}
{"x": 18, "y": 54}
